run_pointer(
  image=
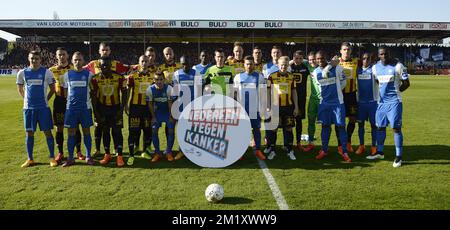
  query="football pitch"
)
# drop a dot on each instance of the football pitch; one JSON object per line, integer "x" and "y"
{"x": 423, "y": 182}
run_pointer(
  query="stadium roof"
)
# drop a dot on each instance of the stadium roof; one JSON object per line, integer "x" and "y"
{"x": 229, "y": 30}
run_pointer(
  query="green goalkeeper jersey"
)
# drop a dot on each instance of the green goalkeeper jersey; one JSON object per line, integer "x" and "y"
{"x": 219, "y": 78}
{"x": 315, "y": 88}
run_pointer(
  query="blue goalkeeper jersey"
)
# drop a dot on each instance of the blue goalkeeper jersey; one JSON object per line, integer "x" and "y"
{"x": 367, "y": 86}
{"x": 389, "y": 78}
{"x": 78, "y": 89}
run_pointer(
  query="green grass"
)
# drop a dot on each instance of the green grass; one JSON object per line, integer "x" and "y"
{"x": 422, "y": 183}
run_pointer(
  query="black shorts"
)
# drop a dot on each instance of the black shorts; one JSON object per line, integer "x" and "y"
{"x": 59, "y": 109}
{"x": 351, "y": 104}
{"x": 287, "y": 118}
{"x": 139, "y": 117}
{"x": 111, "y": 116}
{"x": 301, "y": 99}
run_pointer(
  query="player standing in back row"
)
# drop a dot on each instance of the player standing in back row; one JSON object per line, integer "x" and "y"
{"x": 60, "y": 103}
{"x": 350, "y": 66}
{"x": 367, "y": 103}
{"x": 313, "y": 103}
{"x": 300, "y": 72}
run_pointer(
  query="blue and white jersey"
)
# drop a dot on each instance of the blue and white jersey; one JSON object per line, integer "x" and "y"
{"x": 201, "y": 69}
{"x": 36, "y": 83}
{"x": 160, "y": 98}
{"x": 389, "y": 78}
{"x": 269, "y": 68}
{"x": 367, "y": 86}
{"x": 247, "y": 86}
{"x": 187, "y": 82}
{"x": 331, "y": 84}
{"x": 78, "y": 90}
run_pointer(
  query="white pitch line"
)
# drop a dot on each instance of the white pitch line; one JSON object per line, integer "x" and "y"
{"x": 282, "y": 204}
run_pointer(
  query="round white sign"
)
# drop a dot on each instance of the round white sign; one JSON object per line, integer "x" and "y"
{"x": 214, "y": 131}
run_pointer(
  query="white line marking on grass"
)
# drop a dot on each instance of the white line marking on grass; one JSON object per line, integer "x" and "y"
{"x": 282, "y": 204}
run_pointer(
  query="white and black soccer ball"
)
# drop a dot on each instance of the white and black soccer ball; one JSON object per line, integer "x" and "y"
{"x": 214, "y": 193}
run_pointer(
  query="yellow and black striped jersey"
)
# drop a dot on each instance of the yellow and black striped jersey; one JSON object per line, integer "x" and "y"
{"x": 351, "y": 72}
{"x": 108, "y": 89}
{"x": 259, "y": 67}
{"x": 168, "y": 70}
{"x": 58, "y": 73}
{"x": 237, "y": 65}
{"x": 138, "y": 83}
{"x": 281, "y": 85}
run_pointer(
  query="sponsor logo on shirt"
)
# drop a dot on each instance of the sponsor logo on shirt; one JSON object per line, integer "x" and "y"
{"x": 34, "y": 82}
{"x": 385, "y": 78}
{"x": 327, "y": 81}
{"x": 78, "y": 83}
{"x": 364, "y": 76}
{"x": 187, "y": 82}
{"x": 161, "y": 99}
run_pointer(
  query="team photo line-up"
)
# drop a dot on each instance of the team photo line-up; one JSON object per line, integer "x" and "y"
{"x": 97, "y": 94}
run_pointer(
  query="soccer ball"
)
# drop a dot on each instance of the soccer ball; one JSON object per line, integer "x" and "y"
{"x": 214, "y": 193}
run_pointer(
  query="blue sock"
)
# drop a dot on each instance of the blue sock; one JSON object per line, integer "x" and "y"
{"x": 343, "y": 138}
{"x": 361, "y": 131}
{"x": 170, "y": 141}
{"x": 381, "y": 137}
{"x": 257, "y": 138}
{"x": 398, "y": 139}
{"x": 30, "y": 144}
{"x": 374, "y": 135}
{"x": 326, "y": 133}
{"x": 87, "y": 144}
{"x": 155, "y": 139}
{"x": 71, "y": 141}
{"x": 51, "y": 146}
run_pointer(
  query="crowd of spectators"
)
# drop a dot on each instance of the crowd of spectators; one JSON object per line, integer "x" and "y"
{"x": 129, "y": 53}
